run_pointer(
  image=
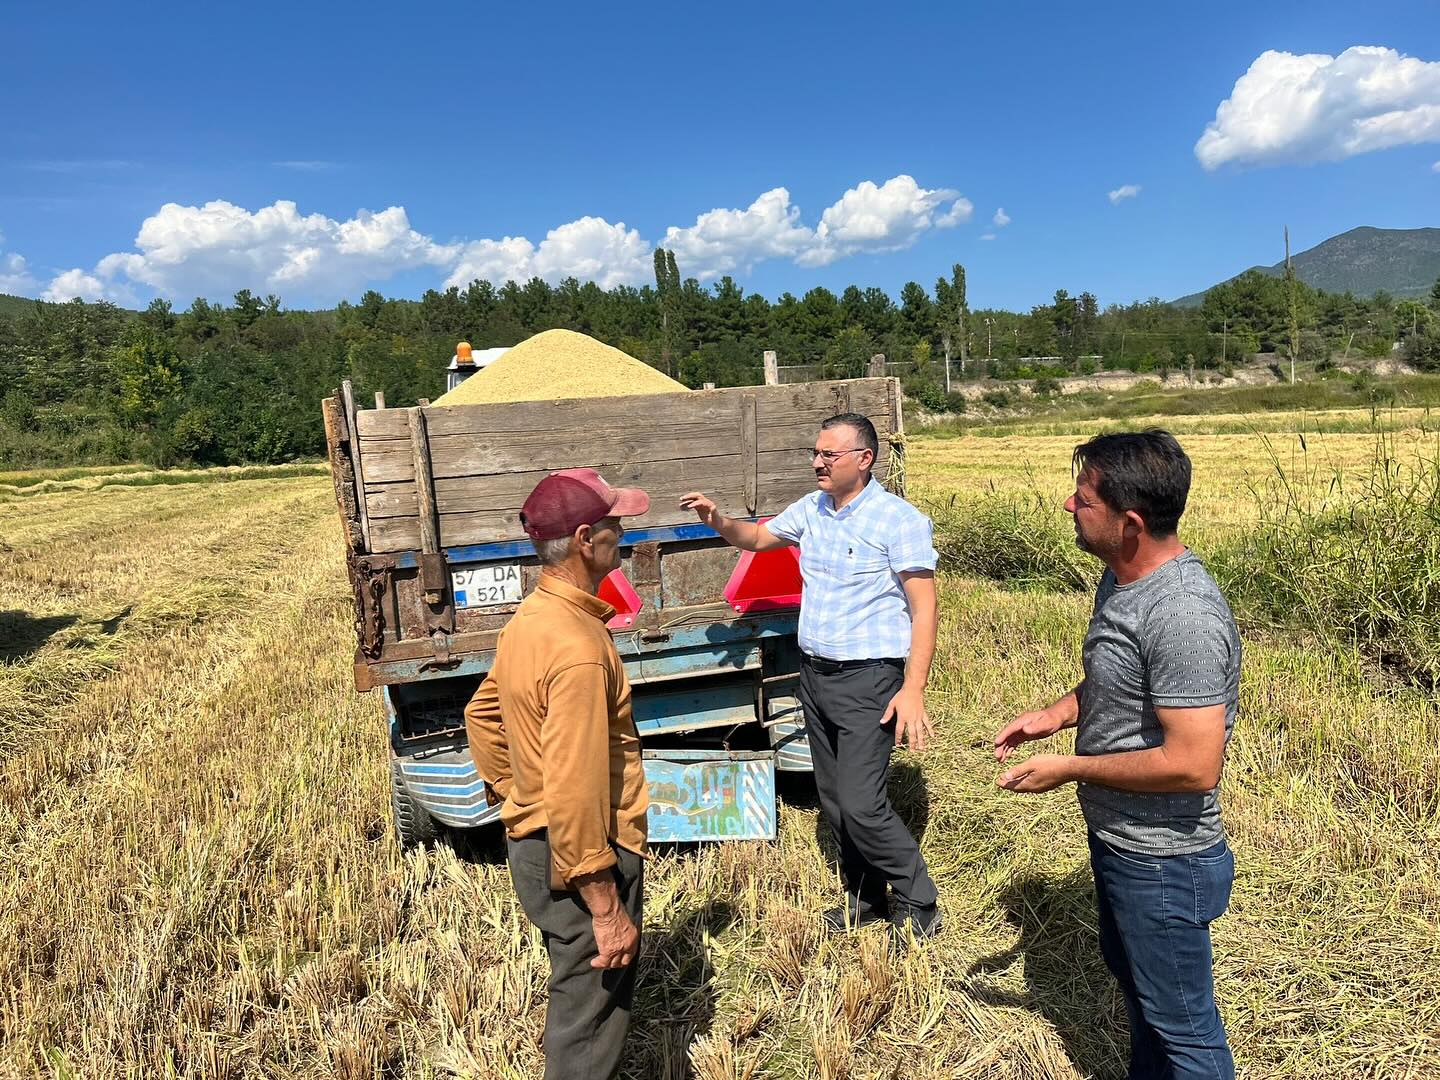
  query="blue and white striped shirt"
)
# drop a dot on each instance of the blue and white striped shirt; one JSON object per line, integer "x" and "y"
{"x": 854, "y": 606}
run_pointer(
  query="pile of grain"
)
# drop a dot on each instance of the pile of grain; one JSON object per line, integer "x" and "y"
{"x": 559, "y": 364}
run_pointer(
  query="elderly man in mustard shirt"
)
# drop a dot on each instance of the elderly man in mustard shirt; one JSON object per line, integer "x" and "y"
{"x": 566, "y": 760}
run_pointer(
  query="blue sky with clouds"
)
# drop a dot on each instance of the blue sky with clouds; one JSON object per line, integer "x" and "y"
{"x": 314, "y": 151}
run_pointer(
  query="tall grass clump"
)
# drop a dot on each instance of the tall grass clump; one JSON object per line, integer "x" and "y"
{"x": 1020, "y": 540}
{"x": 1357, "y": 564}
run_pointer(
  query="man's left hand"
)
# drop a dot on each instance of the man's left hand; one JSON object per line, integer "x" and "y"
{"x": 1043, "y": 772}
{"x": 907, "y": 709}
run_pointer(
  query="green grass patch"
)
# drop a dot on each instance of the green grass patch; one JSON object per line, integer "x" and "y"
{"x": 1377, "y": 398}
{"x": 93, "y": 480}
{"x": 1356, "y": 565}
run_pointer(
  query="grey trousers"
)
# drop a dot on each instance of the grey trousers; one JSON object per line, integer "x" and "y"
{"x": 589, "y": 1011}
{"x": 851, "y": 751}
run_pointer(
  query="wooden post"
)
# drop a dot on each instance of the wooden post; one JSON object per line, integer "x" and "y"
{"x": 749, "y": 452}
{"x": 709, "y": 386}
{"x": 347, "y": 393}
{"x": 772, "y": 368}
{"x": 424, "y": 482}
{"x": 379, "y": 399}
{"x": 877, "y": 366}
{"x": 422, "y": 402}
{"x": 434, "y": 576}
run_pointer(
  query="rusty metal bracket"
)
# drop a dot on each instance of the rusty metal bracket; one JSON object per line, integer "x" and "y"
{"x": 440, "y": 642}
{"x": 435, "y": 594}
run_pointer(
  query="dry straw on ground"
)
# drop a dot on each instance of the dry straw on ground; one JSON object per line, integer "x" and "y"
{"x": 198, "y": 875}
{"x": 560, "y": 364}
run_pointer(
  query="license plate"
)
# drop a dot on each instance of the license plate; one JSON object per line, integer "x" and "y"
{"x": 486, "y": 586}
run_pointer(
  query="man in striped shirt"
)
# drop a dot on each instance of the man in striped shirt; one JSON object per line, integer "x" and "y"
{"x": 867, "y": 632}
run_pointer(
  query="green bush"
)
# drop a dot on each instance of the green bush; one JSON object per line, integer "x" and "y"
{"x": 1362, "y": 570}
{"x": 927, "y": 393}
{"x": 1022, "y": 541}
{"x": 956, "y": 402}
{"x": 1045, "y": 386}
{"x": 1423, "y": 349}
{"x": 999, "y": 399}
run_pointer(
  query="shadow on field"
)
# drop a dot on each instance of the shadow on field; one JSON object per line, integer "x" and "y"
{"x": 1065, "y": 977}
{"x": 22, "y": 633}
{"x": 483, "y": 846}
{"x": 909, "y": 794}
{"x": 674, "y": 994}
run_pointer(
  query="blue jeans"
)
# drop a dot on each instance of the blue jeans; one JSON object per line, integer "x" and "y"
{"x": 1155, "y": 915}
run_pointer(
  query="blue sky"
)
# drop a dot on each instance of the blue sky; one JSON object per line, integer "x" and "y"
{"x": 479, "y": 125}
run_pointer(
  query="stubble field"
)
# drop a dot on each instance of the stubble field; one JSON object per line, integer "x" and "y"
{"x": 198, "y": 876}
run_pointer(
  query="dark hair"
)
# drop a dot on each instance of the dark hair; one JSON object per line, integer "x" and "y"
{"x": 1143, "y": 471}
{"x": 864, "y": 429}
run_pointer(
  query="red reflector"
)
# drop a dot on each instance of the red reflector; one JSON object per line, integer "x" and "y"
{"x": 765, "y": 580}
{"x": 617, "y": 591}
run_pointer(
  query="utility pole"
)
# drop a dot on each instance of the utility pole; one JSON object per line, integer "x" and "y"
{"x": 1294, "y": 314}
{"x": 989, "y": 352}
{"x": 1225, "y": 339}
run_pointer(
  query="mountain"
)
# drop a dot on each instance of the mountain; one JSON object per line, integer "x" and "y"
{"x": 1403, "y": 262}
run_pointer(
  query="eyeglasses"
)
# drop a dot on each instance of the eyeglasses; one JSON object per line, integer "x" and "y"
{"x": 832, "y": 456}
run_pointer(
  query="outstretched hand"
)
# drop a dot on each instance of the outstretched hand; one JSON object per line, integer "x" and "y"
{"x": 1043, "y": 772}
{"x": 1027, "y": 727}
{"x": 704, "y": 507}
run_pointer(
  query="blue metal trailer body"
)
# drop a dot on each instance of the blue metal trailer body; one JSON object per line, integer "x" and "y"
{"x": 437, "y": 561}
{"x": 713, "y": 737}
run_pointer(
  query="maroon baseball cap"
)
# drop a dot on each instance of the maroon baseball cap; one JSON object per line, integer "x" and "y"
{"x": 567, "y": 499}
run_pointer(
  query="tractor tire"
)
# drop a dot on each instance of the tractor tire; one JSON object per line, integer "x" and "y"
{"x": 413, "y": 823}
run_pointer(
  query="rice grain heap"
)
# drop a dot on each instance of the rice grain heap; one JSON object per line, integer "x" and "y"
{"x": 560, "y": 364}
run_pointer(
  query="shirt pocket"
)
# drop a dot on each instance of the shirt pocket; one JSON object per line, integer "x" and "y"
{"x": 859, "y": 564}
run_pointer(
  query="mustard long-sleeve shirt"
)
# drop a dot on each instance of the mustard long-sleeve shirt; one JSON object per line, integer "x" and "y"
{"x": 551, "y": 731}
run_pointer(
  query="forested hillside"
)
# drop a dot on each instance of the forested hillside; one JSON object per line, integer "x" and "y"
{"x": 228, "y": 384}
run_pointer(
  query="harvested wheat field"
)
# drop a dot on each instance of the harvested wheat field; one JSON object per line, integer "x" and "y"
{"x": 200, "y": 877}
{"x": 560, "y": 364}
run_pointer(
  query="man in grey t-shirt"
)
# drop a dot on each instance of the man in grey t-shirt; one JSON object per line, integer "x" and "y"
{"x": 1153, "y": 714}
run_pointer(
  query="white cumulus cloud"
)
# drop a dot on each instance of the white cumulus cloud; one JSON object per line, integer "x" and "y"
{"x": 1123, "y": 192}
{"x": 872, "y": 218}
{"x": 1001, "y": 218}
{"x": 77, "y": 284}
{"x": 590, "y": 249}
{"x": 1291, "y": 108}
{"x": 216, "y": 249}
{"x": 730, "y": 241}
{"x": 219, "y": 248}
{"x": 1435, "y": 167}
{"x": 14, "y": 277}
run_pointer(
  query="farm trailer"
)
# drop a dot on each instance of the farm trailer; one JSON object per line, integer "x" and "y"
{"x": 429, "y": 501}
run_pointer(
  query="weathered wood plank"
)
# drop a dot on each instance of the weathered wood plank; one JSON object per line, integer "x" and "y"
{"x": 749, "y": 437}
{"x": 424, "y": 484}
{"x": 352, "y": 426}
{"x": 508, "y": 491}
{"x": 776, "y": 491}
{"x": 775, "y": 472}
{"x": 597, "y": 413}
{"x": 653, "y": 439}
{"x": 342, "y": 472}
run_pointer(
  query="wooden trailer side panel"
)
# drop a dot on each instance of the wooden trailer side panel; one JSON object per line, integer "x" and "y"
{"x": 745, "y": 446}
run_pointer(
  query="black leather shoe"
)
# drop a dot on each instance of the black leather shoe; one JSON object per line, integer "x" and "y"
{"x": 922, "y": 923}
{"x": 846, "y": 917}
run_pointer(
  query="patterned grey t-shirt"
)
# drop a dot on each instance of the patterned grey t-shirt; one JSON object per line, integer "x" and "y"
{"x": 1167, "y": 639}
